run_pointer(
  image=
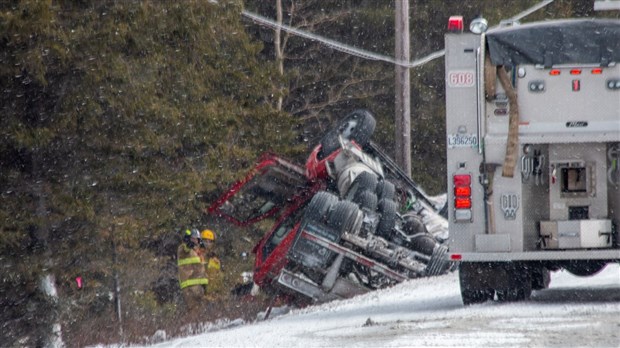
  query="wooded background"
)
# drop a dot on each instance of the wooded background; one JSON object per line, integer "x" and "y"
{"x": 121, "y": 121}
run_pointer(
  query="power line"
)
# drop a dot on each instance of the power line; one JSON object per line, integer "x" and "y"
{"x": 354, "y": 51}
{"x": 338, "y": 45}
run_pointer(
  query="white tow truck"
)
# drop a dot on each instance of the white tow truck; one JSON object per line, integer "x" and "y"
{"x": 533, "y": 145}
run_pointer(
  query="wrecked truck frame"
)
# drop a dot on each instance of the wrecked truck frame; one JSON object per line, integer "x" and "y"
{"x": 350, "y": 222}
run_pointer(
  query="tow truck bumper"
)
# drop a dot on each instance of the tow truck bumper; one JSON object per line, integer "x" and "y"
{"x": 554, "y": 255}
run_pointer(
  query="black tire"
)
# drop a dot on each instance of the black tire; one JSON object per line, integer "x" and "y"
{"x": 471, "y": 297}
{"x": 520, "y": 285}
{"x": 388, "y": 210}
{"x": 472, "y": 280}
{"x": 385, "y": 190}
{"x": 365, "y": 181}
{"x": 541, "y": 277}
{"x": 358, "y": 125}
{"x": 423, "y": 243}
{"x": 329, "y": 144}
{"x": 584, "y": 268}
{"x": 343, "y": 216}
{"x": 366, "y": 199}
{"x": 413, "y": 225}
{"x": 515, "y": 294}
{"x": 319, "y": 206}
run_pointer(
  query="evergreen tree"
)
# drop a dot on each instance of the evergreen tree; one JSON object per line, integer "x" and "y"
{"x": 119, "y": 119}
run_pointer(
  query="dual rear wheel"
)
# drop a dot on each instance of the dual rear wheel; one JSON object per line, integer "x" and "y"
{"x": 509, "y": 281}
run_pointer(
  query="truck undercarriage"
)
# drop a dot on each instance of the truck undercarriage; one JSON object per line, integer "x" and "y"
{"x": 351, "y": 222}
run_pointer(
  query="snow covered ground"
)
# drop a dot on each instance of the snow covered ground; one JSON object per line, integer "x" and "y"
{"x": 573, "y": 312}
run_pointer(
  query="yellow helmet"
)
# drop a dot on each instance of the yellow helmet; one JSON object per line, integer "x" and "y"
{"x": 208, "y": 235}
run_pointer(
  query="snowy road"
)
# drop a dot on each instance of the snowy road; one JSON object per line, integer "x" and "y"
{"x": 573, "y": 312}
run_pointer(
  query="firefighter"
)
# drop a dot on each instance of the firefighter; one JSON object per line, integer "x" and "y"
{"x": 192, "y": 275}
{"x": 212, "y": 264}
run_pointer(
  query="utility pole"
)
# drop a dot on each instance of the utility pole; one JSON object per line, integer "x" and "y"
{"x": 402, "y": 115}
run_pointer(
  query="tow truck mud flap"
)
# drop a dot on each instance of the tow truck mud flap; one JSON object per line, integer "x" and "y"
{"x": 309, "y": 253}
{"x": 342, "y": 288}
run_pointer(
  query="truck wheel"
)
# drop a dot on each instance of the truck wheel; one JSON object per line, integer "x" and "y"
{"x": 388, "y": 211}
{"x": 343, "y": 217}
{"x": 584, "y": 268}
{"x": 541, "y": 277}
{"x": 358, "y": 125}
{"x": 365, "y": 181}
{"x": 470, "y": 297}
{"x": 319, "y": 206}
{"x": 413, "y": 224}
{"x": 519, "y": 285}
{"x": 472, "y": 280}
{"x": 518, "y": 293}
{"x": 423, "y": 243}
{"x": 385, "y": 190}
{"x": 366, "y": 199}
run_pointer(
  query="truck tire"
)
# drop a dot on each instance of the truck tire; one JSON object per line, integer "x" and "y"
{"x": 519, "y": 293}
{"x": 423, "y": 243}
{"x": 472, "y": 280}
{"x": 365, "y": 181}
{"x": 471, "y": 297}
{"x": 541, "y": 277}
{"x": 385, "y": 190}
{"x": 358, "y": 125}
{"x": 584, "y": 268}
{"x": 388, "y": 210}
{"x": 413, "y": 224}
{"x": 519, "y": 284}
{"x": 344, "y": 217}
{"x": 366, "y": 200}
{"x": 319, "y": 206}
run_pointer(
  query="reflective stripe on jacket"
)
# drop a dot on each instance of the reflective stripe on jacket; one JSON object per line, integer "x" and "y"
{"x": 191, "y": 269}
{"x": 188, "y": 261}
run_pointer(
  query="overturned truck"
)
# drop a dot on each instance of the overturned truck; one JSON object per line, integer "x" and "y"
{"x": 349, "y": 222}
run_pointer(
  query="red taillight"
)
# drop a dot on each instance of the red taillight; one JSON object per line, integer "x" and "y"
{"x": 597, "y": 71}
{"x": 455, "y": 23}
{"x": 464, "y": 191}
{"x": 456, "y": 257}
{"x": 555, "y": 72}
{"x": 462, "y": 180}
{"x": 462, "y": 203}
{"x": 575, "y": 72}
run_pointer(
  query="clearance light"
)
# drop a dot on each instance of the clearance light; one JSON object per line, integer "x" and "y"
{"x": 555, "y": 72}
{"x": 455, "y": 24}
{"x": 575, "y": 72}
{"x": 597, "y": 71}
